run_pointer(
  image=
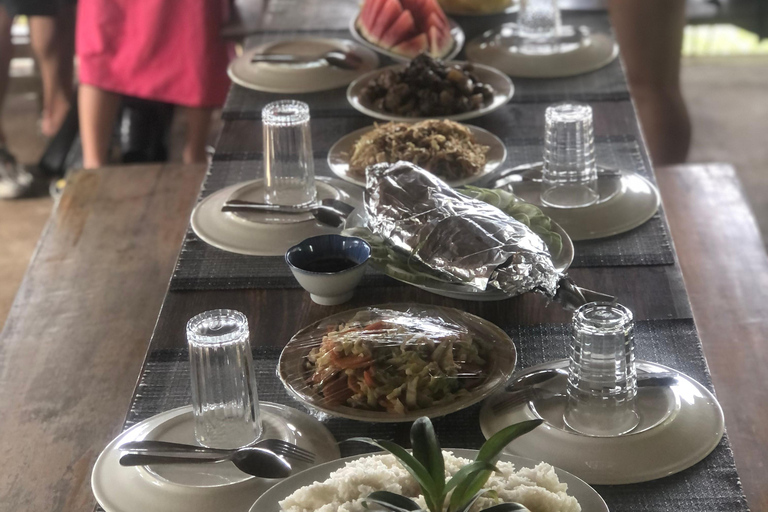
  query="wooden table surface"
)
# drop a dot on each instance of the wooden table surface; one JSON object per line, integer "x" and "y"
{"x": 76, "y": 336}
{"x": 73, "y": 345}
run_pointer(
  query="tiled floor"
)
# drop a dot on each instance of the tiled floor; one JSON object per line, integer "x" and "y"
{"x": 727, "y": 98}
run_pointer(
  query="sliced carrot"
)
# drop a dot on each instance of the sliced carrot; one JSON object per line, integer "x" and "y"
{"x": 375, "y": 326}
{"x": 337, "y": 391}
{"x": 350, "y": 362}
{"x": 368, "y": 377}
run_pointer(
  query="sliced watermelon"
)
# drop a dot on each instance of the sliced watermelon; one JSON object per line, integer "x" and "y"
{"x": 440, "y": 43}
{"x": 388, "y": 15}
{"x": 401, "y": 30}
{"x": 368, "y": 15}
{"x": 434, "y": 21}
{"x": 433, "y": 6}
{"x": 421, "y": 10}
{"x": 413, "y": 47}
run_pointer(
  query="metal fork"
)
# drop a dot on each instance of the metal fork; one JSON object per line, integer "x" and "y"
{"x": 277, "y": 446}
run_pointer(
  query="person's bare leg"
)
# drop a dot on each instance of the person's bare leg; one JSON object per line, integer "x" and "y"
{"x": 97, "y": 110}
{"x": 198, "y": 124}
{"x": 53, "y": 50}
{"x": 650, "y": 34}
{"x": 6, "y": 54}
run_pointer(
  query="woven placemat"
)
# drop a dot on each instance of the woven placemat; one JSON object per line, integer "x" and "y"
{"x": 203, "y": 267}
{"x": 712, "y": 484}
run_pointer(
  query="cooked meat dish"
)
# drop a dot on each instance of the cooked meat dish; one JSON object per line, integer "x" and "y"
{"x": 444, "y": 148}
{"x": 428, "y": 88}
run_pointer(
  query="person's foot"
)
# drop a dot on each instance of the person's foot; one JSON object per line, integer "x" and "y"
{"x": 52, "y": 118}
{"x": 15, "y": 180}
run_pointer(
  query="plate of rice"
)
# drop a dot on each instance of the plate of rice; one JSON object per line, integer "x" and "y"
{"x": 342, "y": 485}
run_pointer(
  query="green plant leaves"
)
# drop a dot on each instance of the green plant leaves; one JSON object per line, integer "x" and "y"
{"x": 492, "y": 447}
{"x": 468, "y": 471}
{"x": 426, "y": 449}
{"x": 506, "y": 507}
{"x": 393, "y": 502}
{"x": 413, "y": 466}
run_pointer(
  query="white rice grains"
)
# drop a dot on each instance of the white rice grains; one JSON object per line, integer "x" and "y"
{"x": 538, "y": 489}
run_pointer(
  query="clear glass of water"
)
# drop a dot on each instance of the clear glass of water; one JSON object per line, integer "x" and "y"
{"x": 289, "y": 172}
{"x": 602, "y": 382}
{"x": 569, "y": 174}
{"x": 539, "y": 19}
{"x": 224, "y": 398}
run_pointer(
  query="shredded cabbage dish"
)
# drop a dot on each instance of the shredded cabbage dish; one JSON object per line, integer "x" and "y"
{"x": 396, "y": 362}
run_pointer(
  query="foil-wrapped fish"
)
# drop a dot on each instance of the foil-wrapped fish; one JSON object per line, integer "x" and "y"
{"x": 464, "y": 240}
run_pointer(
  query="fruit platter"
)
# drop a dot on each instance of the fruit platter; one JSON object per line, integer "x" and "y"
{"x": 404, "y": 29}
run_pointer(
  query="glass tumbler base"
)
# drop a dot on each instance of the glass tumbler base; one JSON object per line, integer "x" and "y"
{"x": 569, "y": 196}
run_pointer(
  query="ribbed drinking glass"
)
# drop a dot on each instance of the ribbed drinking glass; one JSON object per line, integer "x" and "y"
{"x": 539, "y": 19}
{"x": 224, "y": 398}
{"x": 602, "y": 382}
{"x": 289, "y": 172}
{"x": 569, "y": 174}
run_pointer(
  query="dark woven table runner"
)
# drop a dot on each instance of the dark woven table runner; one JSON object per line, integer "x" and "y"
{"x": 204, "y": 267}
{"x": 711, "y": 485}
{"x": 605, "y": 84}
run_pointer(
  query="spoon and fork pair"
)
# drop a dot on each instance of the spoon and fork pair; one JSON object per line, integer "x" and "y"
{"x": 265, "y": 459}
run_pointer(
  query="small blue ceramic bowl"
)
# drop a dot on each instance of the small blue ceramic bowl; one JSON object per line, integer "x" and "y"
{"x": 329, "y": 267}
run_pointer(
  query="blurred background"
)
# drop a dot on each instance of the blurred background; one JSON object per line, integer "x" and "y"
{"x": 724, "y": 81}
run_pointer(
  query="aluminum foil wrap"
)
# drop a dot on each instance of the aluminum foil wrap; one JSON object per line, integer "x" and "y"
{"x": 464, "y": 240}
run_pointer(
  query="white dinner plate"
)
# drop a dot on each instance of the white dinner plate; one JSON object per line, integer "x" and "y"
{"x": 198, "y": 487}
{"x": 293, "y": 372}
{"x": 502, "y": 85}
{"x": 340, "y": 152}
{"x": 598, "y": 51}
{"x": 456, "y": 32}
{"x": 459, "y": 291}
{"x": 263, "y": 234}
{"x": 680, "y": 426}
{"x": 634, "y": 203}
{"x": 587, "y": 497}
{"x": 299, "y": 78}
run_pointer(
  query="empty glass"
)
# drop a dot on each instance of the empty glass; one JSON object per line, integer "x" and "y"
{"x": 602, "y": 383}
{"x": 289, "y": 172}
{"x": 569, "y": 174}
{"x": 224, "y": 399}
{"x": 539, "y": 19}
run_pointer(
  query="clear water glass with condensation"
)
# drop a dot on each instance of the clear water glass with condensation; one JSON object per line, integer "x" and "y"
{"x": 539, "y": 19}
{"x": 602, "y": 381}
{"x": 289, "y": 172}
{"x": 569, "y": 174}
{"x": 225, "y": 402}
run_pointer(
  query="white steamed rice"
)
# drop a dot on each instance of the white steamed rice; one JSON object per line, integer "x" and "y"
{"x": 538, "y": 489}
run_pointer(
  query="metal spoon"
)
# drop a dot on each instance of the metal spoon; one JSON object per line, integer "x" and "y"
{"x": 340, "y": 59}
{"x": 253, "y": 461}
{"x": 532, "y": 172}
{"x": 330, "y": 211}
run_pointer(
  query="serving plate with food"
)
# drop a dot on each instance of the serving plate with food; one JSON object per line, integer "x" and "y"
{"x": 427, "y": 88}
{"x": 404, "y": 29}
{"x": 459, "y": 154}
{"x": 397, "y": 362}
{"x": 431, "y": 479}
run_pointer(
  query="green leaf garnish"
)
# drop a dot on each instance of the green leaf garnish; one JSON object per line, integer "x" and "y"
{"x": 426, "y": 449}
{"x": 392, "y": 501}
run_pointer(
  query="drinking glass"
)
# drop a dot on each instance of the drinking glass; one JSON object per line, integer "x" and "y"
{"x": 289, "y": 172}
{"x": 602, "y": 382}
{"x": 569, "y": 174}
{"x": 224, "y": 398}
{"x": 539, "y": 19}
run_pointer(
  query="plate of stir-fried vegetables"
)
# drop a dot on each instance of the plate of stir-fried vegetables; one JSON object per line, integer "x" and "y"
{"x": 396, "y": 362}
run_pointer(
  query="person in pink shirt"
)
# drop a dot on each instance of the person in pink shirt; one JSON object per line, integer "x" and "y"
{"x": 161, "y": 50}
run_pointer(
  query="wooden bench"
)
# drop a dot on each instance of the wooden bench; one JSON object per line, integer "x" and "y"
{"x": 75, "y": 338}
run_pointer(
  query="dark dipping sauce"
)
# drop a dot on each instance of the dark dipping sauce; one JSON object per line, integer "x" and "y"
{"x": 327, "y": 265}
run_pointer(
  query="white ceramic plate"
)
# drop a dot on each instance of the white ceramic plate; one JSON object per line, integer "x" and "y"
{"x": 498, "y": 80}
{"x": 293, "y": 373}
{"x": 599, "y": 51}
{"x": 456, "y": 32}
{"x": 587, "y": 497}
{"x": 196, "y": 487}
{"x": 636, "y": 201}
{"x": 338, "y": 156}
{"x": 685, "y": 420}
{"x": 459, "y": 291}
{"x": 514, "y": 6}
{"x": 299, "y": 78}
{"x": 263, "y": 234}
